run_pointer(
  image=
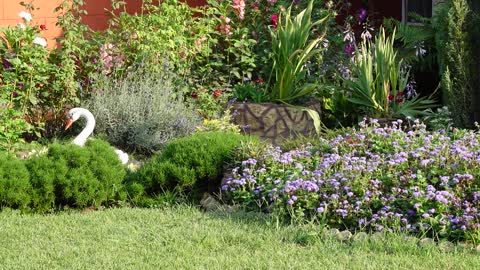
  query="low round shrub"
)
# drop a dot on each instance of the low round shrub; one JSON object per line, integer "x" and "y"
{"x": 374, "y": 179}
{"x": 14, "y": 182}
{"x": 195, "y": 162}
{"x": 43, "y": 171}
{"x": 75, "y": 176}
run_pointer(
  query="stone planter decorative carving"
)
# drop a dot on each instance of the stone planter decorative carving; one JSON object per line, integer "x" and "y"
{"x": 273, "y": 122}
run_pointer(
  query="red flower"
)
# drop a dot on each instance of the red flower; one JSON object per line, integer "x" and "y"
{"x": 399, "y": 100}
{"x": 43, "y": 27}
{"x": 391, "y": 97}
{"x": 194, "y": 94}
{"x": 274, "y": 20}
{"x": 259, "y": 80}
{"x": 217, "y": 93}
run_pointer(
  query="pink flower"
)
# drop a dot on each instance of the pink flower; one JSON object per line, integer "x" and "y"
{"x": 225, "y": 19}
{"x": 200, "y": 41}
{"x": 274, "y": 20}
{"x": 110, "y": 57}
{"x": 239, "y": 7}
{"x": 225, "y": 27}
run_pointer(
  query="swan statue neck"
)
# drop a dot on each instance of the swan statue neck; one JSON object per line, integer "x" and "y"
{"x": 88, "y": 130}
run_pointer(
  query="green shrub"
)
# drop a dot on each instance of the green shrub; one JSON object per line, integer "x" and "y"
{"x": 43, "y": 171}
{"x": 141, "y": 112}
{"x": 75, "y": 176}
{"x": 455, "y": 59}
{"x": 222, "y": 124}
{"x": 192, "y": 163}
{"x": 14, "y": 185}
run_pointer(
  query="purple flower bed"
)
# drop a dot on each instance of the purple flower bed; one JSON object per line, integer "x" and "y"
{"x": 372, "y": 179}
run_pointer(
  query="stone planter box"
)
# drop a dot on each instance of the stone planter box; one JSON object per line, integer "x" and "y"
{"x": 273, "y": 122}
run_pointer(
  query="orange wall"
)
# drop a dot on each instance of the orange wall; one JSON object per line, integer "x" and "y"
{"x": 9, "y": 10}
{"x": 96, "y": 18}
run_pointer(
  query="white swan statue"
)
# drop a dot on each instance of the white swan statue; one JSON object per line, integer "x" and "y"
{"x": 73, "y": 115}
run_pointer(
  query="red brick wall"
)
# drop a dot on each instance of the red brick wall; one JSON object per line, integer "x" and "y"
{"x": 96, "y": 18}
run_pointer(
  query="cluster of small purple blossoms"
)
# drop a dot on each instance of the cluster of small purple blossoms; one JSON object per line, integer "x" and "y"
{"x": 372, "y": 178}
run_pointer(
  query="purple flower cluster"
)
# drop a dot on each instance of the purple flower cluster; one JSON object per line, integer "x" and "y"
{"x": 362, "y": 15}
{"x": 375, "y": 178}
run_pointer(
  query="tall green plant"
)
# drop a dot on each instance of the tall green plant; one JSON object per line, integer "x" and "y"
{"x": 378, "y": 81}
{"x": 455, "y": 59}
{"x": 292, "y": 47}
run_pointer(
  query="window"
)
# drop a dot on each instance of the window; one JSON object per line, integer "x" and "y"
{"x": 423, "y": 8}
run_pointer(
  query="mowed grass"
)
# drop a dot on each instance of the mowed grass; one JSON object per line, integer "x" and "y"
{"x": 186, "y": 238}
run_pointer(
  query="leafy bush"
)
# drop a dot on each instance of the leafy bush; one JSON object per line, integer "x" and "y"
{"x": 75, "y": 176}
{"x": 252, "y": 92}
{"x": 223, "y": 124}
{"x": 379, "y": 179}
{"x": 36, "y": 81}
{"x": 193, "y": 162}
{"x": 209, "y": 104}
{"x": 12, "y": 126}
{"x": 141, "y": 112}
{"x": 441, "y": 119}
{"x": 14, "y": 185}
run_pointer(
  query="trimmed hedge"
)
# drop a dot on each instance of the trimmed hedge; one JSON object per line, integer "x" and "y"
{"x": 75, "y": 176}
{"x": 191, "y": 163}
{"x": 14, "y": 182}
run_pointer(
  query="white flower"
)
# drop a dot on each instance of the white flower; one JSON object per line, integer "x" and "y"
{"x": 366, "y": 35}
{"x": 420, "y": 50}
{"x": 40, "y": 41}
{"x": 325, "y": 43}
{"x": 349, "y": 35}
{"x": 25, "y": 15}
{"x": 21, "y": 26}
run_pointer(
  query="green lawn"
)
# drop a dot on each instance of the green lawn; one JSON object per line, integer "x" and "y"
{"x": 187, "y": 238}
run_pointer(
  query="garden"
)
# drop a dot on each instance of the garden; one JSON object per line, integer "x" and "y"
{"x": 241, "y": 129}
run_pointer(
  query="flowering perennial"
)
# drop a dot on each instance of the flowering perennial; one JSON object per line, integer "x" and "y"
{"x": 374, "y": 179}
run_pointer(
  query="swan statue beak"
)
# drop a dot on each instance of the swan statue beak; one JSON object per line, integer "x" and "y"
{"x": 69, "y": 123}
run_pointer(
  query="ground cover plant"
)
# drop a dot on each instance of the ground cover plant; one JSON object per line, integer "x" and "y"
{"x": 373, "y": 179}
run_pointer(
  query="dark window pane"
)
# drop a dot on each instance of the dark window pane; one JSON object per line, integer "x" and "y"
{"x": 420, "y": 7}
